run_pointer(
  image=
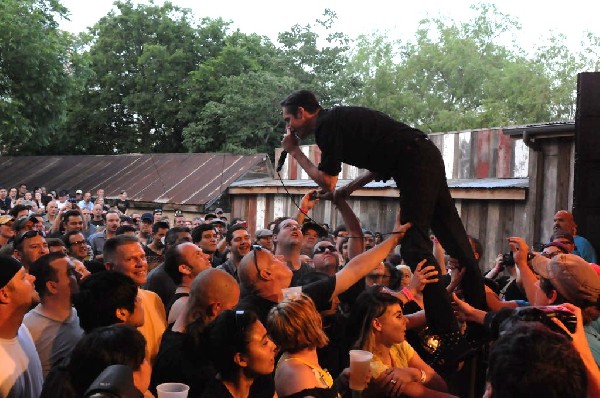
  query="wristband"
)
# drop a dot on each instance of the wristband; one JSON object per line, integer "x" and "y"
{"x": 406, "y": 291}
{"x": 423, "y": 377}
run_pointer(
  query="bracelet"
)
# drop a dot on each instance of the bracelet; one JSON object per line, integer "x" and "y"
{"x": 303, "y": 211}
{"x": 406, "y": 291}
{"x": 423, "y": 377}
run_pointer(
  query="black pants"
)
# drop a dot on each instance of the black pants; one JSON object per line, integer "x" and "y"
{"x": 426, "y": 202}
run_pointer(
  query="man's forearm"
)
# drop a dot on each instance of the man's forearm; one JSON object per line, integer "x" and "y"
{"x": 356, "y": 243}
{"x": 359, "y": 182}
{"x": 326, "y": 182}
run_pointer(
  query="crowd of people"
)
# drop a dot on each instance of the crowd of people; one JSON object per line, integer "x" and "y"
{"x": 87, "y": 283}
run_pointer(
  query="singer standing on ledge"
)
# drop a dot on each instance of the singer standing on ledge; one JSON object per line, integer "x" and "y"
{"x": 387, "y": 148}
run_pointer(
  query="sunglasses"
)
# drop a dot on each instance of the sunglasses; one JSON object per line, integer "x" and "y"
{"x": 322, "y": 249}
{"x": 27, "y": 235}
{"x": 256, "y": 248}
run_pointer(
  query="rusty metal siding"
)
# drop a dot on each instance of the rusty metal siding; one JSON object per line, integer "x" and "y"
{"x": 181, "y": 178}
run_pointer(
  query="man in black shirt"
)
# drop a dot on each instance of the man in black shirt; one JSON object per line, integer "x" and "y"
{"x": 389, "y": 149}
{"x": 263, "y": 276}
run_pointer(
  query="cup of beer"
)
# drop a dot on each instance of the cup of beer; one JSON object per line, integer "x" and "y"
{"x": 360, "y": 366}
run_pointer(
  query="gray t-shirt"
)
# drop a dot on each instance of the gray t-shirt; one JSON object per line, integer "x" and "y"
{"x": 54, "y": 340}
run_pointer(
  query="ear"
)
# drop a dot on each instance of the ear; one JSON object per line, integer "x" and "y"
{"x": 265, "y": 274}
{"x": 122, "y": 314}
{"x": 553, "y": 296}
{"x": 476, "y": 255}
{"x": 51, "y": 287}
{"x": 4, "y": 296}
{"x": 184, "y": 269}
{"x": 376, "y": 324}
{"x": 240, "y": 360}
{"x": 17, "y": 255}
{"x": 108, "y": 266}
{"x": 213, "y": 310}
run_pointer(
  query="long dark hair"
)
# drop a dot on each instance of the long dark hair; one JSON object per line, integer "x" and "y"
{"x": 227, "y": 335}
{"x": 370, "y": 304}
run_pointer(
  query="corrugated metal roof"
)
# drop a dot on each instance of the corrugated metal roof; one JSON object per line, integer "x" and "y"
{"x": 478, "y": 183}
{"x": 176, "y": 178}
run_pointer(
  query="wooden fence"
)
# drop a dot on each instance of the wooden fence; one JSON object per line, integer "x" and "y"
{"x": 501, "y": 188}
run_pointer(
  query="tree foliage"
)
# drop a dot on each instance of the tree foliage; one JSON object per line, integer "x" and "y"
{"x": 150, "y": 78}
{"x": 33, "y": 80}
{"x": 456, "y": 76}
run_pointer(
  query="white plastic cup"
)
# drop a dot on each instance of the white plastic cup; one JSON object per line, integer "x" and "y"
{"x": 360, "y": 364}
{"x": 172, "y": 390}
{"x": 292, "y": 292}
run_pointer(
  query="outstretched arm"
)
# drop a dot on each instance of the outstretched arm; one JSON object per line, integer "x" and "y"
{"x": 356, "y": 243}
{"x": 308, "y": 201}
{"x": 365, "y": 262}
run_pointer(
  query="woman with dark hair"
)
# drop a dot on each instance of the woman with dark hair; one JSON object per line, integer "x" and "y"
{"x": 240, "y": 350}
{"x": 377, "y": 324}
{"x": 103, "y": 347}
{"x": 296, "y": 327}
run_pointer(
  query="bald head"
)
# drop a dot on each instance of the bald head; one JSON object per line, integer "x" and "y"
{"x": 247, "y": 270}
{"x": 564, "y": 220}
{"x": 212, "y": 292}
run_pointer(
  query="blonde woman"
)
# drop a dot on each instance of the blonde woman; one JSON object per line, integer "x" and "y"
{"x": 296, "y": 327}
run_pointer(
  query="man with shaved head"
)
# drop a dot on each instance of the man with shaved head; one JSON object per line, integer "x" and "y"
{"x": 179, "y": 360}
{"x": 564, "y": 220}
{"x": 263, "y": 276}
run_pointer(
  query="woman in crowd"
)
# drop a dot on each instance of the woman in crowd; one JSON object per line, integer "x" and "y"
{"x": 296, "y": 327}
{"x": 377, "y": 324}
{"x": 103, "y": 347}
{"x": 107, "y": 298}
{"x": 240, "y": 350}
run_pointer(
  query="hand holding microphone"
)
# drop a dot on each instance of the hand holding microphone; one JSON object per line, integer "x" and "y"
{"x": 290, "y": 140}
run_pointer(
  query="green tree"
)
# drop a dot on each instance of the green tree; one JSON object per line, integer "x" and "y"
{"x": 33, "y": 80}
{"x": 140, "y": 59}
{"x": 456, "y": 76}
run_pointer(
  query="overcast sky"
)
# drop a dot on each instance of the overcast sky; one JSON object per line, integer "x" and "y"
{"x": 397, "y": 17}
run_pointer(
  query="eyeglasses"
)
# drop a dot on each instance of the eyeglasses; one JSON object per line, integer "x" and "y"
{"x": 26, "y": 235}
{"x": 322, "y": 249}
{"x": 78, "y": 243}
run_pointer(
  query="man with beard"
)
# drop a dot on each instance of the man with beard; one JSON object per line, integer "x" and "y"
{"x": 113, "y": 222}
{"x": 288, "y": 243}
{"x": 564, "y": 220}
{"x": 20, "y": 367}
{"x": 53, "y": 323}
{"x": 155, "y": 249}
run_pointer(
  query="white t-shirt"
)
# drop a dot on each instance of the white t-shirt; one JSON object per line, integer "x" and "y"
{"x": 20, "y": 368}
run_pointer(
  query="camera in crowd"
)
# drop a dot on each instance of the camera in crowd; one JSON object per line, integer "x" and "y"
{"x": 508, "y": 260}
{"x": 506, "y": 319}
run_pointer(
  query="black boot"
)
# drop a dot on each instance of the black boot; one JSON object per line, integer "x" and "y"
{"x": 453, "y": 349}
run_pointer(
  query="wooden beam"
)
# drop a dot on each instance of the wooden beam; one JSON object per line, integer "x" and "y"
{"x": 457, "y": 193}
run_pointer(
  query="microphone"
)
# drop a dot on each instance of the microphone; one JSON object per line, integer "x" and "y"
{"x": 281, "y": 160}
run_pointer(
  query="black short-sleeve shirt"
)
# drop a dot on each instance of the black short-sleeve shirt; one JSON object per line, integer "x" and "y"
{"x": 361, "y": 137}
{"x": 320, "y": 292}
